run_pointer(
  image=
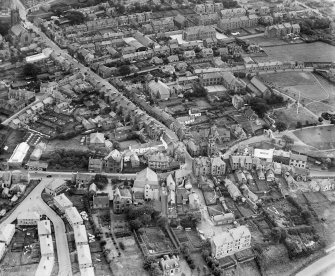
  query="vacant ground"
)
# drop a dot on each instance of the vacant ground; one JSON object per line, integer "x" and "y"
{"x": 317, "y": 51}
{"x": 70, "y": 144}
{"x": 131, "y": 260}
{"x": 321, "y": 137}
{"x": 290, "y": 116}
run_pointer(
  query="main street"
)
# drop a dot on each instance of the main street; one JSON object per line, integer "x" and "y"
{"x": 34, "y": 202}
{"x": 68, "y": 175}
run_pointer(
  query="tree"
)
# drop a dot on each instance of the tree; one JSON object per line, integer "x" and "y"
{"x": 148, "y": 261}
{"x": 305, "y": 214}
{"x": 155, "y": 270}
{"x": 281, "y": 126}
{"x": 145, "y": 219}
{"x": 121, "y": 244}
{"x": 162, "y": 222}
{"x": 30, "y": 70}
{"x": 4, "y": 28}
{"x": 75, "y": 17}
{"x": 101, "y": 181}
{"x": 135, "y": 224}
{"x": 124, "y": 70}
{"x": 205, "y": 253}
{"x": 185, "y": 249}
{"x": 320, "y": 119}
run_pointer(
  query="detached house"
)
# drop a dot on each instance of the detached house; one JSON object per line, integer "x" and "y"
{"x": 170, "y": 265}
{"x": 122, "y": 199}
{"x": 113, "y": 162}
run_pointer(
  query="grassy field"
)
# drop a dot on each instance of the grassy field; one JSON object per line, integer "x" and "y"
{"x": 322, "y": 137}
{"x": 317, "y": 51}
{"x": 316, "y": 93}
{"x": 291, "y": 117}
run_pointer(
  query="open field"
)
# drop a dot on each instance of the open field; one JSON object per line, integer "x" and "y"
{"x": 291, "y": 117}
{"x": 317, "y": 51}
{"x": 321, "y": 137}
{"x": 316, "y": 93}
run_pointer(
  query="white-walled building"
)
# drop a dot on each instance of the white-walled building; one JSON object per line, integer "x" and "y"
{"x": 18, "y": 155}
{"x": 6, "y": 233}
{"x": 147, "y": 182}
{"x": 80, "y": 234}
{"x": 84, "y": 256}
{"x": 45, "y": 266}
{"x": 62, "y": 202}
{"x": 28, "y": 218}
{"x": 44, "y": 227}
{"x": 73, "y": 217}
{"x": 55, "y": 186}
{"x": 46, "y": 246}
{"x": 264, "y": 155}
{"x": 298, "y": 160}
{"x": 230, "y": 242}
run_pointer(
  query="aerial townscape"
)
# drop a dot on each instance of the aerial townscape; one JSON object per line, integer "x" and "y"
{"x": 167, "y": 137}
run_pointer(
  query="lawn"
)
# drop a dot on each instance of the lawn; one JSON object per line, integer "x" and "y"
{"x": 321, "y": 137}
{"x": 316, "y": 93}
{"x": 317, "y": 51}
{"x": 290, "y": 116}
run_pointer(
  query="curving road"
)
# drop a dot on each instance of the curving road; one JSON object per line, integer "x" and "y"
{"x": 34, "y": 202}
{"x": 319, "y": 266}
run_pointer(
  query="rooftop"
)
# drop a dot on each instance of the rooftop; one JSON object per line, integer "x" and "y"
{"x": 44, "y": 227}
{"x": 62, "y": 200}
{"x": 84, "y": 254}
{"x": 73, "y": 214}
{"x": 80, "y": 234}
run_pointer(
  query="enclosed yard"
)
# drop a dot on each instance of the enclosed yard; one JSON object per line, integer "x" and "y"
{"x": 153, "y": 241}
{"x": 190, "y": 238}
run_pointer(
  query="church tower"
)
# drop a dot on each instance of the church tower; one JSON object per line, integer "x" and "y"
{"x": 14, "y": 17}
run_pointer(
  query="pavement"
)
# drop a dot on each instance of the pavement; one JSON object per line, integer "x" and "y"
{"x": 34, "y": 202}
